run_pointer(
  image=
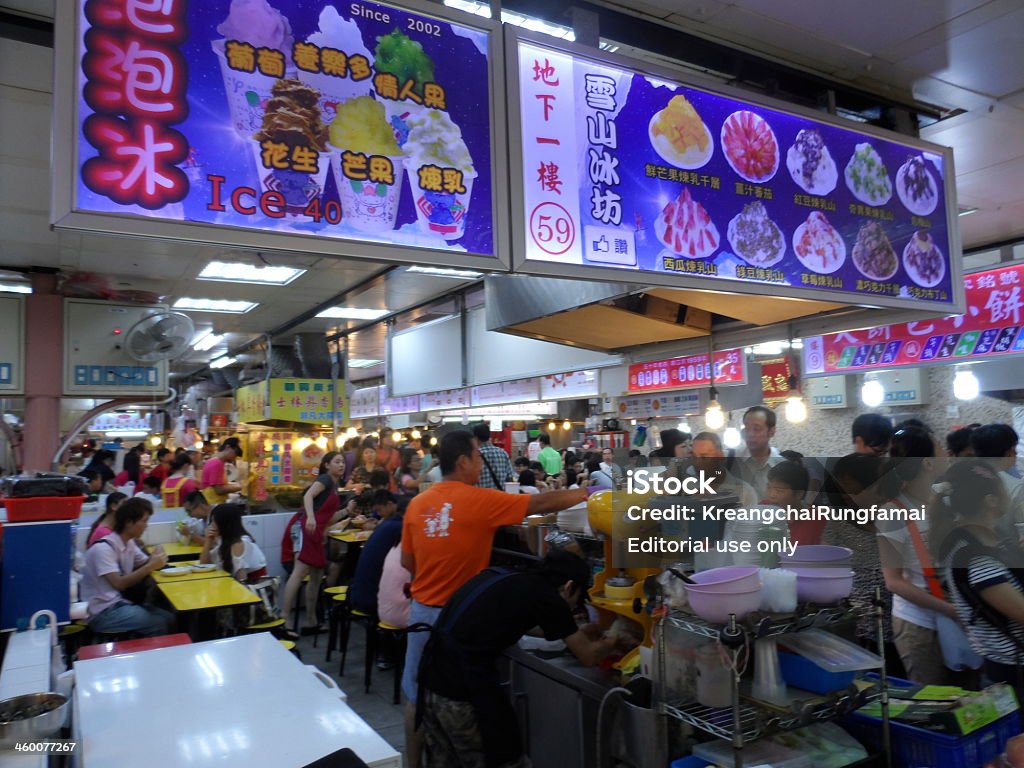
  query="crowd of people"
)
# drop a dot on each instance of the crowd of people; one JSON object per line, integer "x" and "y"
{"x": 952, "y": 582}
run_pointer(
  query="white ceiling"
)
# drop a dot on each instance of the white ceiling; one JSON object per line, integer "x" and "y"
{"x": 954, "y": 54}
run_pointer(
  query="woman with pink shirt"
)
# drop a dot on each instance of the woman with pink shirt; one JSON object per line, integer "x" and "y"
{"x": 104, "y": 524}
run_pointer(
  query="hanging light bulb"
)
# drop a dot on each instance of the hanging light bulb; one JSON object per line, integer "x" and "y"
{"x": 339, "y": 441}
{"x": 566, "y": 425}
{"x": 731, "y": 438}
{"x": 397, "y": 437}
{"x": 714, "y": 417}
{"x": 433, "y": 441}
{"x": 155, "y": 440}
{"x": 321, "y": 443}
{"x": 415, "y": 434}
{"x": 552, "y": 426}
{"x": 796, "y": 408}
{"x": 965, "y": 384}
{"x": 684, "y": 426}
{"x": 872, "y": 393}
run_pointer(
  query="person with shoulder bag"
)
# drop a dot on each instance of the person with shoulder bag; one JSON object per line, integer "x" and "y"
{"x": 986, "y": 572}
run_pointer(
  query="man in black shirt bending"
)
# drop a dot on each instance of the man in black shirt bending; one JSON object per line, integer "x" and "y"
{"x": 468, "y": 721}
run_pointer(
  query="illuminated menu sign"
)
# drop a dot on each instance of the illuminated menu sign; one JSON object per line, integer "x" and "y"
{"x": 688, "y": 372}
{"x": 993, "y": 326}
{"x": 357, "y": 121}
{"x": 622, "y": 171}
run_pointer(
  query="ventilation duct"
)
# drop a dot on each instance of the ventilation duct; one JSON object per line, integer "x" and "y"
{"x": 313, "y": 355}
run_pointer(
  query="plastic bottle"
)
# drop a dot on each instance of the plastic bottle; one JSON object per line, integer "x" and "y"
{"x": 772, "y": 536}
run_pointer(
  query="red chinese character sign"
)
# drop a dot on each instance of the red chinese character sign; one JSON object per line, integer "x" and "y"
{"x": 688, "y": 372}
{"x": 775, "y": 375}
{"x": 627, "y": 172}
{"x": 358, "y": 121}
{"x": 993, "y": 325}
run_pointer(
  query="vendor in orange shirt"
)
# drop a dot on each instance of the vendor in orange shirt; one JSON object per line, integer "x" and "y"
{"x": 446, "y": 540}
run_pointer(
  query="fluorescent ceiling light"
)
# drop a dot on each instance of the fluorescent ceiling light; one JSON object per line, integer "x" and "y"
{"x": 207, "y": 341}
{"x": 216, "y": 305}
{"x": 515, "y": 19}
{"x": 16, "y": 287}
{"x": 222, "y": 362}
{"x": 966, "y": 211}
{"x": 359, "y": 362}
{"x": 235, "y": 272}
{"x": 354, "y": 313}
{"x": 458, "y": 274}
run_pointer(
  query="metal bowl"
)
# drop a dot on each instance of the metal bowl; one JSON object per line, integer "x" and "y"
{"x": 32, "y": 716}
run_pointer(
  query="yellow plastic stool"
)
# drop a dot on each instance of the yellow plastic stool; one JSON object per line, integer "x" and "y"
{"x": 266, "y": 626}
{"x": 288, "y": 645}
{"x": 343, "y": 590}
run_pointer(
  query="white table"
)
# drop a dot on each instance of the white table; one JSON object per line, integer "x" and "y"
{"x": 244, "y": 701}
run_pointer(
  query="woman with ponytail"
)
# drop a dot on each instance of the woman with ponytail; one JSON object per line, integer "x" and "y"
{"x": 907, "y": 479}
{"x": 985, "y": 571}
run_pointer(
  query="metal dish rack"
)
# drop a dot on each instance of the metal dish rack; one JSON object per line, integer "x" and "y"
{"x": 747, "y": 719}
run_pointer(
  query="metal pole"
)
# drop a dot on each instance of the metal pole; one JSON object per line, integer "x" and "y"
{"x": 496, "y": 9}
{"x": 883, "y": 677}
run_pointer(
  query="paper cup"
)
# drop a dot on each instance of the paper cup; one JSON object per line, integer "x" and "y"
{"x": 441, "y": 213}
{"x": 247, "y": 93}
{"x": 367, "y": 206}
{"x": 299, "y": 189}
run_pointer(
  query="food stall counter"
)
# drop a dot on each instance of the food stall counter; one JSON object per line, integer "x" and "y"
{"x": 243, "y": 701}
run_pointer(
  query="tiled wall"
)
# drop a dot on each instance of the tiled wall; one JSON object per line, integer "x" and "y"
{"x": 827, "y": 432}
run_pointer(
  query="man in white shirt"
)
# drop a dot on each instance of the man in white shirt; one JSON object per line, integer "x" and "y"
{"x": 758, "y": 455}
{"x": 709, "y": 457}
{"x": 998, "y": 444}
{"x": 610, "y": 468}
{"x": 115, "y": 564}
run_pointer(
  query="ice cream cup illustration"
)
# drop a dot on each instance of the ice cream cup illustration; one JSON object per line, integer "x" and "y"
{"x": 441, "y": 212}
{"x": 368, "y": 206}
{"x": 299, "y": 187}
{"x": 247, "y": 92}
{"x": 368, "y": 165}
{"x": 336, "y": 79}
{"x": 290, "y": 147}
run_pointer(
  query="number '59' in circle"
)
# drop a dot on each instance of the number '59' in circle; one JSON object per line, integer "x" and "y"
{"x": 552, "y": 228}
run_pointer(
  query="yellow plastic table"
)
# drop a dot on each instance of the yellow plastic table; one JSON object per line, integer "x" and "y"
{"x": 201, "y": 594}
{"x": 176, "y": 551}
{"x": 350, "y": 537}
{"x": 162, "y": 578}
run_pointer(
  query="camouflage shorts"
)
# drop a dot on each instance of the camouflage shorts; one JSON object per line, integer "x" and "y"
{"x": 452, "y": 736}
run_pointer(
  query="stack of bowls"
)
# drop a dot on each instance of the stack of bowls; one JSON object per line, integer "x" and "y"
{"x": 823, "y": 574}
{"x": 723, "y": 591}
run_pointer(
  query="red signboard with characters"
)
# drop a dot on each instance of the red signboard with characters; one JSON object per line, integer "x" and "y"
{"x": 992, "y": 326}
{"x": 775, "y": 381}
{"x": 688, "y": 372}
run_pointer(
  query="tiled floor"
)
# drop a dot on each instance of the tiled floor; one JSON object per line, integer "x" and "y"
{"x": 374, "y": 707}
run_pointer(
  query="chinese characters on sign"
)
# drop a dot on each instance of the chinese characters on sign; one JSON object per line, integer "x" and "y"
{"x": 775, "y": 381}
{"x": 358, "y": 120}
{"x": 993, "y": 325}
{"x": 688, "y": 372}
{"x": 709, "y": 188}
{"x": 136, "y": 86}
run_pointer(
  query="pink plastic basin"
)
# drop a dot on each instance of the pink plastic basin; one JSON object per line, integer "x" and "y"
{"x": 716, "y": 607}
{"x": 730, "y": 578}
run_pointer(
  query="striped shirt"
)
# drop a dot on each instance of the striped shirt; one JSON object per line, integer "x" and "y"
{"x": 988, "y": 641}
{"x": 496, "y": 459}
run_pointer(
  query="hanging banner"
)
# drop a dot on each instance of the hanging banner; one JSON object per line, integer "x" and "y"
{"x": 775, "y": 381}
{"x": 252, "y": 403}
{"x": 688, "y": 372}
{"x": 364, "y": 403}
{"x": 993, "y": 326}
{"x": 394, "y": 406}
{"x": 628, "y": 172}
{"x": 668, "y": 406}
{"x": 306, "y": 400}
{"x": 516, "y": 391}
{"x": 448, "y": 398}
{"x": 356, "y": 121}
{"x": 564, "y": 386}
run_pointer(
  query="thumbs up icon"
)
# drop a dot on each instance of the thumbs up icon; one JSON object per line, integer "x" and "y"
{"x": 601, "y": 245}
